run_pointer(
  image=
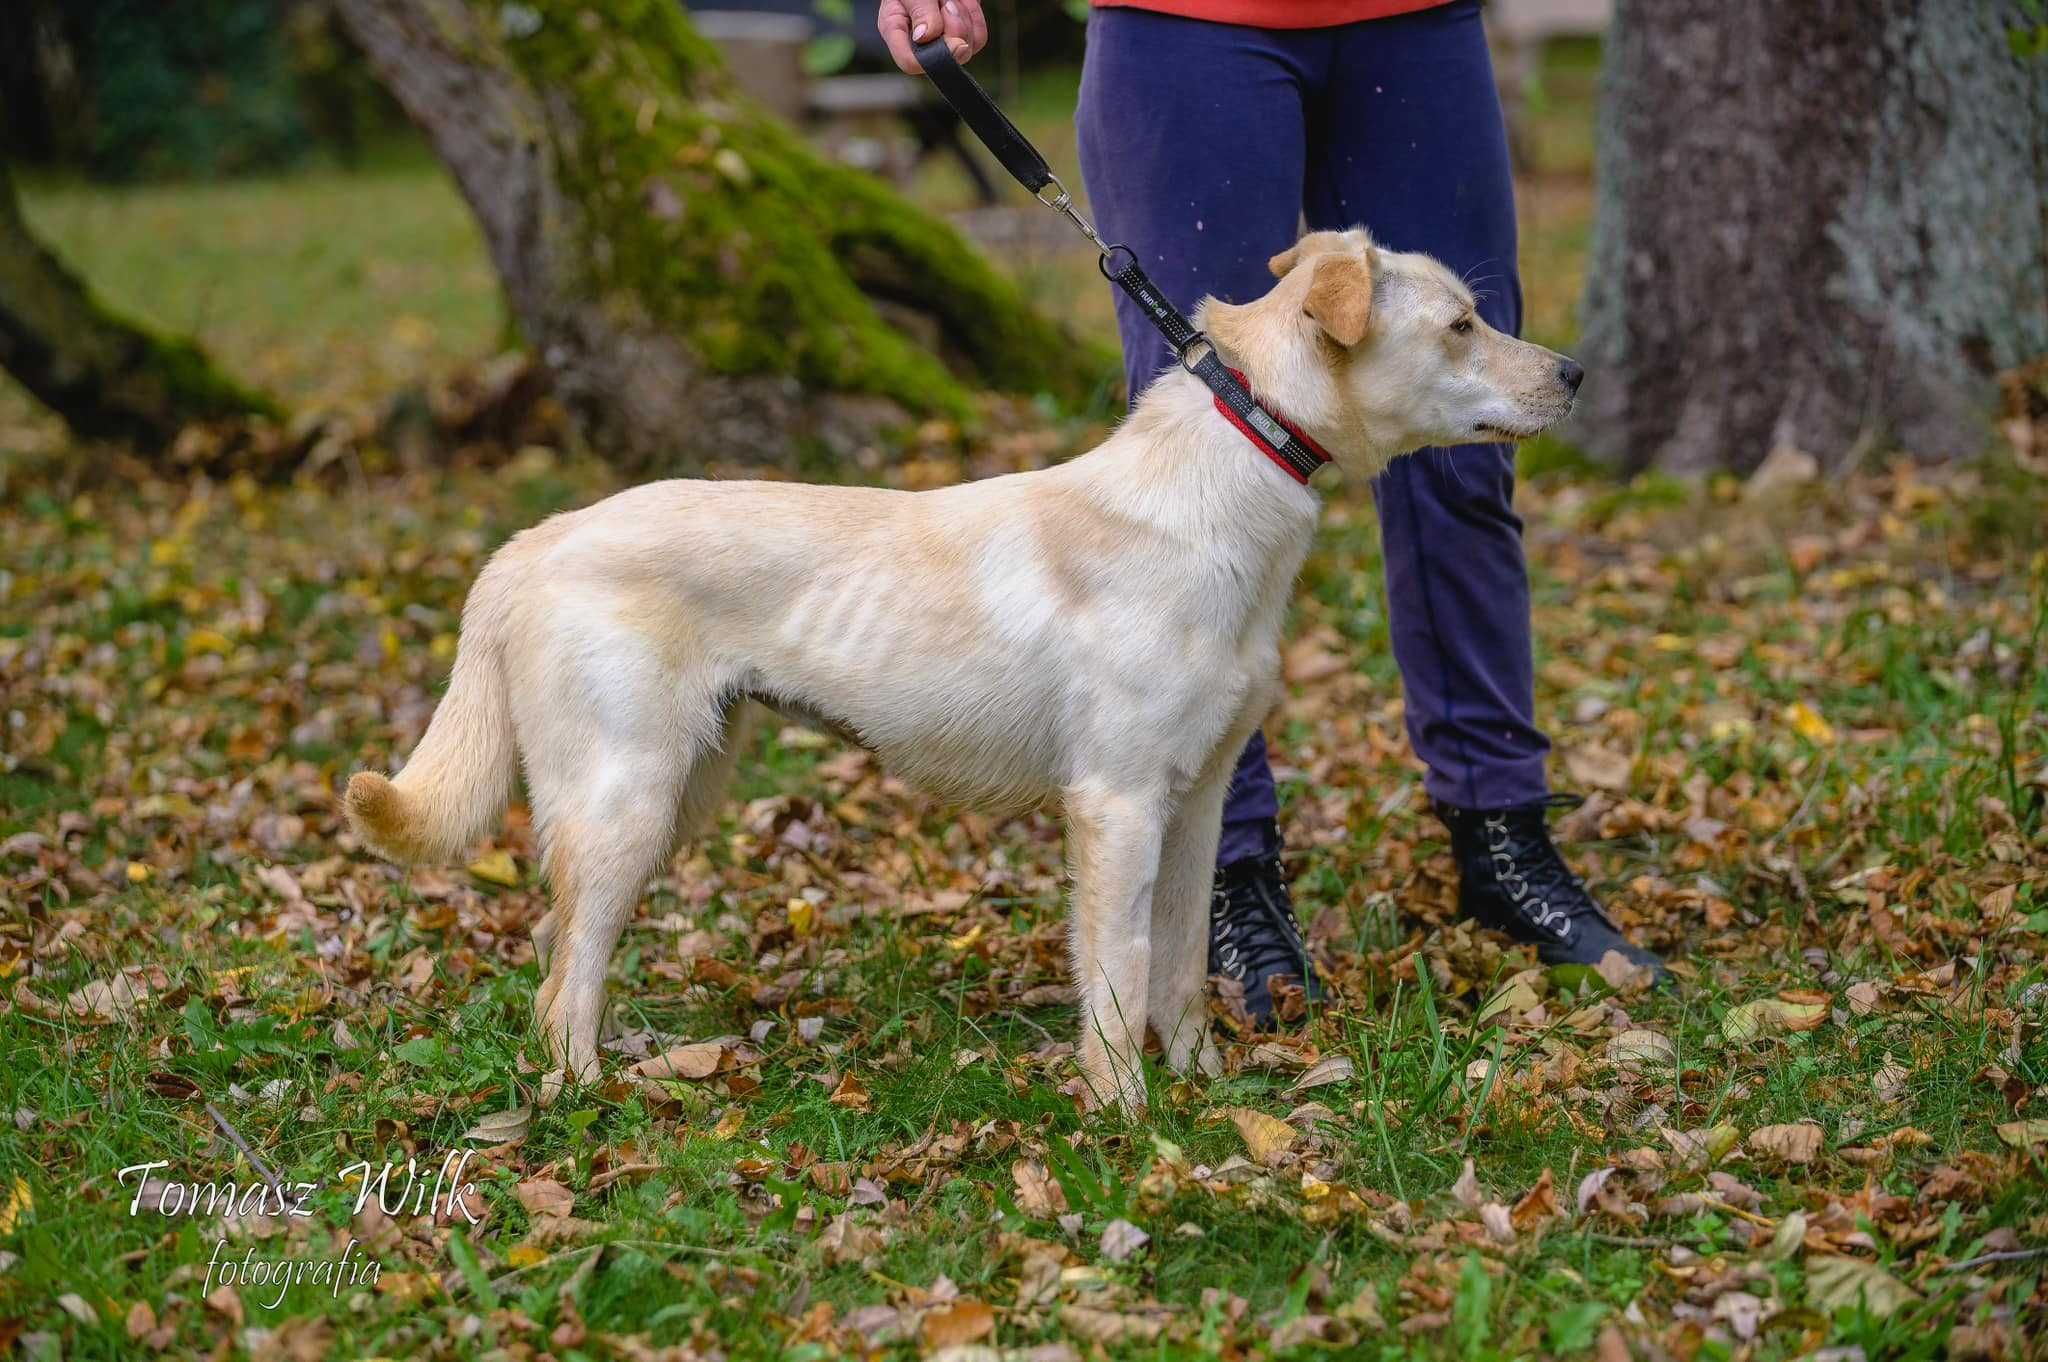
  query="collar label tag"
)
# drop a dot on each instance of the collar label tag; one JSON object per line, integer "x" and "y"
{"x": 1268, "y": 427}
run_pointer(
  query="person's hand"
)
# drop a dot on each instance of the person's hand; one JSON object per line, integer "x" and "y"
{"x": 907, "y": 24}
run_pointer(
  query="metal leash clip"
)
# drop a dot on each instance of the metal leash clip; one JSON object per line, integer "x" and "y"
{"x": 1063, "y": 202}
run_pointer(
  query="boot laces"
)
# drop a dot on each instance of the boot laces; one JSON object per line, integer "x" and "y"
{"x": 1531, "y": 872}
{"x": 1254, "y": 929}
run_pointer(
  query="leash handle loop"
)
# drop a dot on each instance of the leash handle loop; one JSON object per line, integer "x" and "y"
{"x": 990, "y": 124}
{"x": 1297, "y": 455}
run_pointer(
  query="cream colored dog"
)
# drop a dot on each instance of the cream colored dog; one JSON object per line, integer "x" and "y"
{"x": 1105, "y": 632}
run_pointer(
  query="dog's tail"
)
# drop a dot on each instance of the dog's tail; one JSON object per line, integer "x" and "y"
{"x": 459, "y": 778}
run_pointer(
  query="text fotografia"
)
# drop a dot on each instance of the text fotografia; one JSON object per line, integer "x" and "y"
{"x": 249, "y": 1273}
{"x": 405, "y": 1189}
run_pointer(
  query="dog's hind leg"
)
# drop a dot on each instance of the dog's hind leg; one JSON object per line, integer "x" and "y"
{"x": 606, "y": 765}
{"x": 702, "y": 790}
{"x": 1180, "y": 922}
{"x": 704, "y": 783}
{"x": 1114, "y": 837}
{"x": 598, "y": 859}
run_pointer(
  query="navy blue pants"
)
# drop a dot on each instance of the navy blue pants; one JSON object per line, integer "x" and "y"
{"x": 1204, "y": 146}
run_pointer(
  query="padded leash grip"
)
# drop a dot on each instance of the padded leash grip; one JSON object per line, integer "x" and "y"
{"x": 980, "y": 113}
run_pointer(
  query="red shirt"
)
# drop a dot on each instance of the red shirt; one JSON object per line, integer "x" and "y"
{"x": 1277, "y": 13}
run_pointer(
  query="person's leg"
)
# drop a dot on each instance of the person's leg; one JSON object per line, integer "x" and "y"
{"x": 1192, "y": 147}
{"x": 1409, "y": 141}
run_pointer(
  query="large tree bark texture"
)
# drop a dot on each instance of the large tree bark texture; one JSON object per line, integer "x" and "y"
{"x": 1820, "y": 225}
{"x": 690, "y": 271}
{"x": 108, "y": 378}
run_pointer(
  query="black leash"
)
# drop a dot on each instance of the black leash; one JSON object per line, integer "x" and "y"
{"x": 1279, "y": 440}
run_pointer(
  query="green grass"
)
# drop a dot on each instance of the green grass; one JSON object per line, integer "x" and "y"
{"x": 324, "y": 288}
{"x": 430, "y": 977}
{"x": 186, "y": 672}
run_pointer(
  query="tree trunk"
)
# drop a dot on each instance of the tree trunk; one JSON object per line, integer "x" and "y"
{"x": 693, "y": 275}
{"x": 1820, "y": 226}
{"x": 108, "y": 378}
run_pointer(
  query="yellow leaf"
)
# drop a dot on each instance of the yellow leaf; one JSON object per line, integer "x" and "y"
{"x": 967, "y": 940}
{"x": 207, "y": 641}
{"x": 1808, "y": 723}
{"x": 498, "y": 867}
{"x": 524, "y": 1255}
{"x": 405, "y": 1288}
{"x": 803, "y": 916}
{"x": 1514, "y": 998}
{"x": 1267, "y": 1137}
{"x": 138, "y": 873}
{"x": 1770, "y": 1016}
{"x": 19, "y": 1202}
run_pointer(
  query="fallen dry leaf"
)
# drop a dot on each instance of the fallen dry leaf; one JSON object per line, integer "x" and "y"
{"x": 964, "y": 1321}
{"x": 502, "y": 1127}
{"x": 1600, "y": 767}
{"x": 1837, "y": 1282}
{"x": 1642, "y": 1047}
{"x": 1121, "y": 1239}
{"x": 1112, "y": 1326}
{"x": 2025, "y": 1134}
{"x": 545, "y": 1197}
{"x": 1266, "y": 1137}
{"x": 496, "y": 867}
{"x": 1038, "y": 1195}
{"x": 1771, "y": 1016}
{"x": 1330, "y": 1069}
{"x": 699, "y": 1059}
{"x": 852, "y": 1094}
{"x": 1798, "y": 1142}
{"x": 112, "y": 999}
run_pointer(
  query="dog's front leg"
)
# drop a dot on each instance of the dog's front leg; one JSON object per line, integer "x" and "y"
{"x": 1180, "y": 923}
{"x": 1114, "y": 837}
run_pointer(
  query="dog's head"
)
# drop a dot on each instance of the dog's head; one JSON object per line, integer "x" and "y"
{"x": 1384, "y": 352}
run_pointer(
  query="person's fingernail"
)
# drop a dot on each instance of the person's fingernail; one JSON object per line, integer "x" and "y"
{"x": 952, "y": 11}
{"x": 917, "y": 34}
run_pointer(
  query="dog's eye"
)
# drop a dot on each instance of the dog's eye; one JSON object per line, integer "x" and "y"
{"x": 1463, "y": 326}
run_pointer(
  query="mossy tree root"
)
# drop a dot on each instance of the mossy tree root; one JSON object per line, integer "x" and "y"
{"x": 675, "y": 254}
{"x": 109, "y": 378}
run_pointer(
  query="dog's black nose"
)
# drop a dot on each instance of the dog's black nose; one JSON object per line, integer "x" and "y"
{"x": 1571, "y": 373}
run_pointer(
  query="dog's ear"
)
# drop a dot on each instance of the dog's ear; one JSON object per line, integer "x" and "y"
{"x": 1340, "y": 296}
{"x": 1312, "y": 243}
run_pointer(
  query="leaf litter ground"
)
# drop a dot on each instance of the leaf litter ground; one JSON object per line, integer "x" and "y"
{"x": 838, "y": 1116}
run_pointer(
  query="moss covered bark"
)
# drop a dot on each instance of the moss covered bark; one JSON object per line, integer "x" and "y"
{"x": 109, "y": 378}
{"x": 677, "y": 255}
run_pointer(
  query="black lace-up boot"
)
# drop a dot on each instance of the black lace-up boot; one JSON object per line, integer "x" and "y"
{"x": 1512, "y": 879}
{"x": 1253, "y": 937}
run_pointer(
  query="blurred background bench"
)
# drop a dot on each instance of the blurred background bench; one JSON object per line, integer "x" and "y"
{"x": 834, "y": 78}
